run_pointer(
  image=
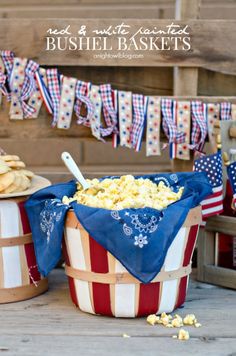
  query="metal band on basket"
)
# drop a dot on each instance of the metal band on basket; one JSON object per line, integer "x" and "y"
{"x": 124, "y": 278}
{"x": 16, "y": 241}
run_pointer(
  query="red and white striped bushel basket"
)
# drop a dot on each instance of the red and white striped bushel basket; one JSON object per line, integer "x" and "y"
{"x": 19, "y": 276}
{"x": 99, "y": 284}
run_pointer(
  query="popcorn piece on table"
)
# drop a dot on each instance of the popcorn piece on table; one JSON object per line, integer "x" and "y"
{"x": 152, "y": 319}
{"x": 183, "y": 335}
{"x": 190, "y": 319}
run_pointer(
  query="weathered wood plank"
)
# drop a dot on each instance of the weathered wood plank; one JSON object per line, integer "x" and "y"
{"x": 219, "y": 54}
{"x": 52, "y": 326}
{"x": 223, "y": 277}
{"x": 223, "y": 224}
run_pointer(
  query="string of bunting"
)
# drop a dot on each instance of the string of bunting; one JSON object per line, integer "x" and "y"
{"x": 121, "y": 114}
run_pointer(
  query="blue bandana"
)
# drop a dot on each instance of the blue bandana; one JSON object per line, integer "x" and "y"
{"x": 138, "y": 238}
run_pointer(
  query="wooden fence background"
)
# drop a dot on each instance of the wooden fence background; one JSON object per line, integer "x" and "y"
{"x": 40, "y": 145}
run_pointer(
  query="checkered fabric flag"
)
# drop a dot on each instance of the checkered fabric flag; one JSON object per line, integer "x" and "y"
{"x": 138, "y": 120}
{"x": 168, "y": 122}
{"x": 55, "y": 92}
{"x": 8, "y": 58}
{"x": 109, "y": 112}
{"x": 231, "y": 171}
{"x": 199, "y": 126}
{"x": 212, "y": 165}
{"x": 81, "y": 91}
{"x": 225, "y": 111}
{"x": 28, "y": 88}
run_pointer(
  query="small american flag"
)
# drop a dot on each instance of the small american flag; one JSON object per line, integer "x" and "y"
{"x": 212, "y": 165}
{"x": 231, "y": 171}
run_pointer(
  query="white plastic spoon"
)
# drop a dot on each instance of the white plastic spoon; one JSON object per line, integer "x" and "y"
{"x": 74, "y": 169}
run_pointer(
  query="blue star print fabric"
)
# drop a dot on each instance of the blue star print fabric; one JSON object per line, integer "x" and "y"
{"x": 138, "y": 238}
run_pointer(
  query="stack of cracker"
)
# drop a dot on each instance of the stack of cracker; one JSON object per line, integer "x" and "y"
{"x": 13, "y": 175}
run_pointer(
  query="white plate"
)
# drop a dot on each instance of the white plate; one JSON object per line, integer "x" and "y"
{"x": 37, "y": 183}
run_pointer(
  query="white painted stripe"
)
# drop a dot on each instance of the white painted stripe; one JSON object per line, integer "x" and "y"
{"x": 77, "y": 260}
{"x": 212, "y": 200}
{"x": 9, "y": 220}
{"x": 215, "y": 209}
{"x": 124, "y": 296}
{"x": 173, "y": 261}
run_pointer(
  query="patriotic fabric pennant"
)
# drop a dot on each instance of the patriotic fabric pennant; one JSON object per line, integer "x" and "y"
{"x": 8, "y": 60}
{"x": 182, "y": 116}
{"x": 115, "y": 136}
{"x": 212, "y": 115}
{"x": 16, "y": 83}
{"x": 2, "y": 79}
{"x": 125, "y": 117}
{"x": 81, "y": 93}
{"x": 41, "y": 80}
{"x": 169, "y": 125}
{"x": 66, "y": 102}
{"x": 212, "y": 166}
{"x": 138, "y": 121}
{"x": 36, "y": 99}
{"x": 233, "y": 111}
{"x": 109, "y": 112}
{"x": 153, "y": 126}
{"x": 199, "y": 126}
{"x": 231, "y": 172}
{"x": 95, "y": 121}
{"x": 54, "y": 92}
{"x": 225, "y": 111}
{"x": 28, "y": 88}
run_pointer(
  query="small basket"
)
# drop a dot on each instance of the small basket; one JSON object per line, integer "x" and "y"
{"x": 99, "y": 284}
{"x": 19, "y": 276}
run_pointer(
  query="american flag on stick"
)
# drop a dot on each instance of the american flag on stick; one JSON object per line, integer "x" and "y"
{"x": 231, "y": 171}
{"x": 212, "y": 165}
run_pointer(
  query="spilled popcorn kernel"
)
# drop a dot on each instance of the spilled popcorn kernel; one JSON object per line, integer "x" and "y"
{"x": 190, "y": 319}
{"x": 177, "y": 322}
{"x": 183, "y": 335}
{"x": 152, "y": 319}
{"x": 197, "y": 325}
{"x": 125, "y": 192}
{"x": 126, "y": 336}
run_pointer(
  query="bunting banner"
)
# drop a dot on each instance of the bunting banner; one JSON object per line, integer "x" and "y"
{"x": 36, "y": 99}
{"x": 16, "y": 83}
{"x": 153, "y": 146}
{"x": 212, "y": 112}
{"x": 66, "y": 102}
{"x": 169, "y": 125}
{"x": 54, "y": 90}
{"x": 138, "y": 121}
{"x": 231, "y": 172}
{"x": 81, "y": 94}
{"x": 95, "y": 122}
{"x": 225, "y": 111}
{"x": 233, "y": 111}
{"x": 199, "y": 126}
{"x": 182, "y": 117}
{"x": 121, "y": 114}
{"x": 125, "y": 117}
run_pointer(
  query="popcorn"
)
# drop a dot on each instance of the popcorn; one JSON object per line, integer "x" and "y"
{"x": 125, "y": 192}
{"x": 177, "y": 322}
{"x": 183, "y": 335}
{"x": 190, "y": 319}
{"x": 152, "y": 319}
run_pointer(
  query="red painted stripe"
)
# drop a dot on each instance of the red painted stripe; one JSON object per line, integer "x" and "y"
{"x": 101, "y": 292}
{"x": 148, "y": 298}
{"x": 212, "y": 205}
{"x": 187, "y": 257}
{"x": 24, "y": 218}
{"x": 29, "y": 248}
{"x": 70, "y": 280}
